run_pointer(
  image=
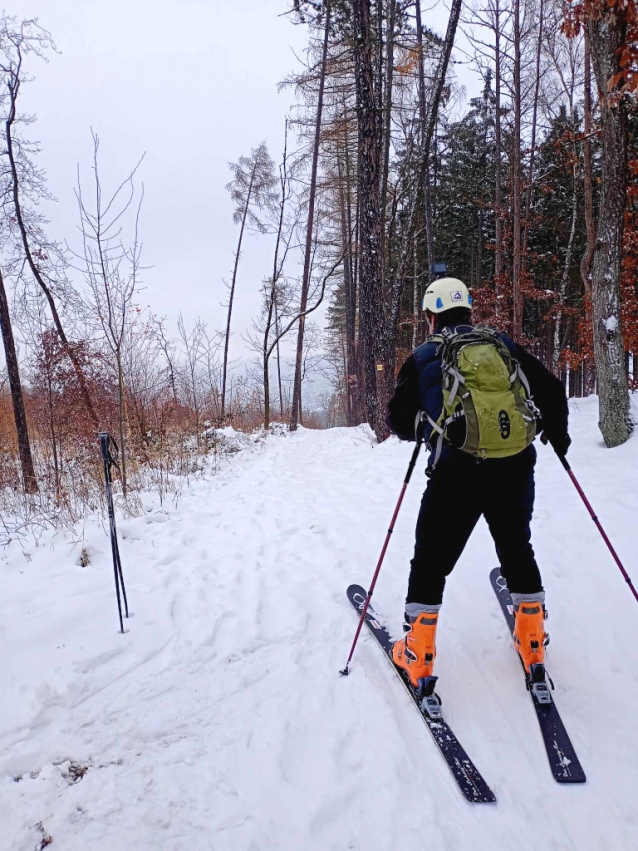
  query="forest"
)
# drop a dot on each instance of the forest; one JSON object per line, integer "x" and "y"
{"x": 527, "y": 193}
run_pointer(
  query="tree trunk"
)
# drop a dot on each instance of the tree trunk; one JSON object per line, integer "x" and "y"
{"x": 351, "y": 261}
{"x": 120, "y": 393}
{"x": 565, "y": 276}
{"x": 498, "y": 190}
{"x": 56, "y": 463}
{"x": 231, "y": 296}
{"x": 295, "y": 412}
{"x": 425, "y": 188}
{"x": 371, "y": 304}
{"x": 272, "y": 302}
{"x": 387, "y": 123}
{"x": 279, "y": 382}
{"x": 532, "y": 154}
{"x": 585, "y": 265}
{"x": 518, "y": 300}
{"x": 29, "y": 480}
{"x": 266, "y": 394}
{"x": 350, "y": 301}
{"x": 405, "y": 258}
{"x": 607, "y": 34}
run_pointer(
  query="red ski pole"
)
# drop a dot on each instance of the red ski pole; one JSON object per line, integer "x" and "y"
{"x": 571, "y": 475}
{"x": 406, "y": 481}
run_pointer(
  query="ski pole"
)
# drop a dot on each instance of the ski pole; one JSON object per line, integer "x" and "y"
{"x": 109, "y": 460}
{"x": 406, "y": 481}
{"x": 563, "y": 460}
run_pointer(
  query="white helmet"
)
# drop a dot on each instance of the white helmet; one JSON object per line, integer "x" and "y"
{"x": 445, "y": 294}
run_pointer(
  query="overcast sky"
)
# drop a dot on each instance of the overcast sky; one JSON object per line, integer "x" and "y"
{"x": 191, "y": 84}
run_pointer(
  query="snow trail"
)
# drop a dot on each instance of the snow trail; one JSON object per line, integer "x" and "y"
{"x": 219, "y": 720}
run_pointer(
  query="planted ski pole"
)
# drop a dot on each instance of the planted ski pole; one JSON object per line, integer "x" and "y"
{"x": 406, "y": 481}
{"x": 110, "y": 454}
{"x": 563, "y": 460}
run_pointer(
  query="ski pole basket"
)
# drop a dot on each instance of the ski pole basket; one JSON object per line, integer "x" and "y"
{"x": 110, "y": 454}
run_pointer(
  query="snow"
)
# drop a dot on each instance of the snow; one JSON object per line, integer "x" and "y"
{"x": 219, "y": 721}
{"x": 611, "y": 324}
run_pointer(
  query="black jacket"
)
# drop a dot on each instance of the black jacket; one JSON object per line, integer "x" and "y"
{"x": 420, "y": 387}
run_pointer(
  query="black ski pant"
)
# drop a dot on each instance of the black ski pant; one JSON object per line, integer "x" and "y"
{"x": 461, "y": 489}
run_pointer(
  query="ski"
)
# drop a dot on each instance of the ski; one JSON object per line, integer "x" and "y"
{"x": 469, "y": 779}
{"x": 564, "y": 763}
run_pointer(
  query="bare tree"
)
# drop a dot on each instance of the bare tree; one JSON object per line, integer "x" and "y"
{"x": 284, "y": 226}
{"x": 111, "y": 268}
{"x": 167, "y": 348}
{"x": 250, "y": 190}
{"x": 192, "y": 350}
{"x": 295, "y": 412}
{"x": 495, "y": 17}
{"x": 16, "y": 41}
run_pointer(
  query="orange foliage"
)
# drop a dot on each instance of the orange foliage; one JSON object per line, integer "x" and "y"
{"x": 580, "y": 11}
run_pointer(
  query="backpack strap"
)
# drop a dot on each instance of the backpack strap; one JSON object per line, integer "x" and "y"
{"x": 440, "y": 429}
{"x": 458, "y": 379}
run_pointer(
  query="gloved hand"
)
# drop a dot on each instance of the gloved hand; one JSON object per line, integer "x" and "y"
{"x": 560, "y": 442}
{"x": 419, "y": 427}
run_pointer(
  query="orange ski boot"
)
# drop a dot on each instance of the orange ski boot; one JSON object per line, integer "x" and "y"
{"x": 416, "y": 652}
{"x": 529, "y": 634}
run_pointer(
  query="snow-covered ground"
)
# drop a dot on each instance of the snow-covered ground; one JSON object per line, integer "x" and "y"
{"x": 219, "y": 720}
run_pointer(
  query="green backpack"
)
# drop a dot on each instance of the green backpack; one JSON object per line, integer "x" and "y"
{"x": 484, "y": 384}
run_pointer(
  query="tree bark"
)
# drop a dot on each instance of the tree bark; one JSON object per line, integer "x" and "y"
{"x": 371, "y": 304}
{"x": 349, "y": 294}
{"x": 607, "y": 34}
{"x": 272, "y": 301}
{"x": 567, "y": 265}
{"x": 29, "y": 480}
{"x": 498, "y": 149}
{"x": 295, "y": 412}
{"x": 387, "y": 122}
{"x": 532, "y": 154}
{"x": 518, "y": 300}
{"x": 590, "y": 227}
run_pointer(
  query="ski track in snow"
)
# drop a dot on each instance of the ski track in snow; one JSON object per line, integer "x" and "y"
{"x": 219, "y": 720}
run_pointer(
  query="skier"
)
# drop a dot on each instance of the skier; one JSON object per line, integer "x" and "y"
{"x": 477, "y": 396}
